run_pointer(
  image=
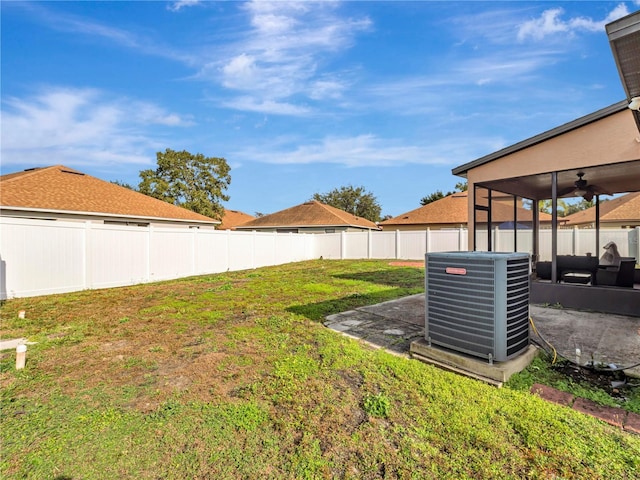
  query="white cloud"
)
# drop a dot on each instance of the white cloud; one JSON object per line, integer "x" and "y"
{"x": 251, "y": 104}
{"x": 550, "y": 22}
{"x": 180, "y": 4}
{"x": 359, "y": 151}
{"x": 283, "y": 54}
{"x": 65, "y": 22}
{"x": 79, "y": 127}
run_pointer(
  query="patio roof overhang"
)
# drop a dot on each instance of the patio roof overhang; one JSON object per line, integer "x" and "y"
{"x": 624, "y": 38}
{"x": 611, "y": 178}
{"x": 604, "y": 146}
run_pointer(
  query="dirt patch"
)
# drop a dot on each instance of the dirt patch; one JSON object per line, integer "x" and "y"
{"x": 613, "y": 382}
{"x": 407, "y": 264}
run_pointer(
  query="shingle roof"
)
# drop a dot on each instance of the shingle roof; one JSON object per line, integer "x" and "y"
{"x": 309, "y": 214}
{"x": 233, "y": 218}
{"x": 62, "y": 189}
{"x": 453, "y": 210}
{"x": 621, "y": 209}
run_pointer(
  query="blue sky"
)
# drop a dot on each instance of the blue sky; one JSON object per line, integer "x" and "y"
{"x": 301, "y": 97}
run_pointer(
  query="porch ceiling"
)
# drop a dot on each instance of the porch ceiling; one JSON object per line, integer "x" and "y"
{"x": 612, "y": 178}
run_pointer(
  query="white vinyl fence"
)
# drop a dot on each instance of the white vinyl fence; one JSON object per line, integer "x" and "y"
{"x": 40, "y": 257}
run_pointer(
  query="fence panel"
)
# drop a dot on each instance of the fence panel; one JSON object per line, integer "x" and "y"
{"x": 171, "y": 253}
{"x": 383, "y": 244}
{"x": 444, "y": 240}
{"x": 210, "y": 251}
{"x": 412, "y": 245}
{"x": 356, "y": 245}
{"x": 41, "y": 258}
{"x": 116, "y": 255}
{"x": 328, "y": 245}
{"x": 241, "y": 250}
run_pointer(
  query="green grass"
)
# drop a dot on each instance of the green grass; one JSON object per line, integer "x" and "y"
{"x": 234, "y": 376}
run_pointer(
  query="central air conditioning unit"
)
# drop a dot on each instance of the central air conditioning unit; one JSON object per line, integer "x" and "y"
{"x": 478, "y": 303}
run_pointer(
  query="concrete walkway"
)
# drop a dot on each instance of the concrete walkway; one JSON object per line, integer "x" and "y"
{"x": 604, "y": 338}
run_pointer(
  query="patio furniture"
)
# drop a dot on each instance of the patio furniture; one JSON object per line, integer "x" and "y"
{"x": 619, "y": 276}
{"x": 570, "y": 268}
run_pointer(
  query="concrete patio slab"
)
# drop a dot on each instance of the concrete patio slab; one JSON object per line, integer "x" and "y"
{"x": 606, "y": 339}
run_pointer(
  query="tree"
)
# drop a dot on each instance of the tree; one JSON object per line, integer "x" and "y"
{"x": 437, "y": 195}
{"x": 356, "y": 201}
{"x": 432, "y": 197}
{"x": 461, "y": 187}
{"x": 194, "y": 182}
{"x": 578, "y": 207}
{"x": 123, "y": 184}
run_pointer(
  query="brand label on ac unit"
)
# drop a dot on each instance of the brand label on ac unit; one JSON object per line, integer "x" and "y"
{"x": 456, "y": 271}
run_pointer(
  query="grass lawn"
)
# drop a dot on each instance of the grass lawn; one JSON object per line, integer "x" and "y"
{"x": 233, "y": 376}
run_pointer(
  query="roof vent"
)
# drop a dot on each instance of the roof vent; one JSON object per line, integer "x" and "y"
{"x": 73, "y": 173}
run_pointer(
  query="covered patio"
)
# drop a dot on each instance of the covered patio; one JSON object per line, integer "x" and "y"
{"x": 592, "y": 156}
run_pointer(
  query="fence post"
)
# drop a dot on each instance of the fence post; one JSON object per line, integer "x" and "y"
{"x": 228, "y": 249}
{"x": 194, "y": 243}
{"x": 343, "y": 244}
{"x": 496, "y": 239}
{"x": 148, "y": 262}
{"x": 369, "y": 243}
{"x": 253, "y": 248}
{"x": 86, "y": 255}
{"x": 427, "y": 240}
{"x": 574, "y": 241}
{"x": 461, "y": 235}
{"x": 397, "y": 244}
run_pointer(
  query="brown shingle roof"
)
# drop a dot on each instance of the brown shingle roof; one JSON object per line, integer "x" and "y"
{"x": 452, "y": 210}
{"x": 233, "y": 218}
{"x": 62, "y": 189}
{"x": 621, "y": 209}
{"x": 309, "y": 214}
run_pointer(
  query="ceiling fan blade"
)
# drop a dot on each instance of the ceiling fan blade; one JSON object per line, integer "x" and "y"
{"x": 566, "y": 191}
{"x": 598, "y": 190}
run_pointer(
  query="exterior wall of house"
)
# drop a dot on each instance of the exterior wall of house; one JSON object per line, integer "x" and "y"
{"x": 610, "y": 140}
{"x": 99, "y": 219}
{"x": 422, "y": 227}
{"x": 293, "y": 229}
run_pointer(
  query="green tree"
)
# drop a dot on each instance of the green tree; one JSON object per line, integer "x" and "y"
{"x": 583, "y": 204}
{"x": 194, "y": 182}
{"x": 355, "y": 200}
{"x": 437, "y": 195}
{"x": 123, "y": 184}
{"x": 461, "y": 187}
{"x": 432, "y": 197}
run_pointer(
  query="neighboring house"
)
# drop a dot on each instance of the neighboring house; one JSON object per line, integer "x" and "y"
{"x": 620, "y": 212}
{"x": 233, "y": 218}
{"x": 62, "y": 193}
{"x": 452, "y": 212}
{"x": 309, "y": 217}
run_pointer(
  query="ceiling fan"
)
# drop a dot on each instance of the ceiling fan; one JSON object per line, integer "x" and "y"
{"x": 581, "y": 188}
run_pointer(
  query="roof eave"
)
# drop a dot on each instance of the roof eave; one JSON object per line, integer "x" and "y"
{"x": 345, "y": 225}
{"x": 105, "y": 215}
